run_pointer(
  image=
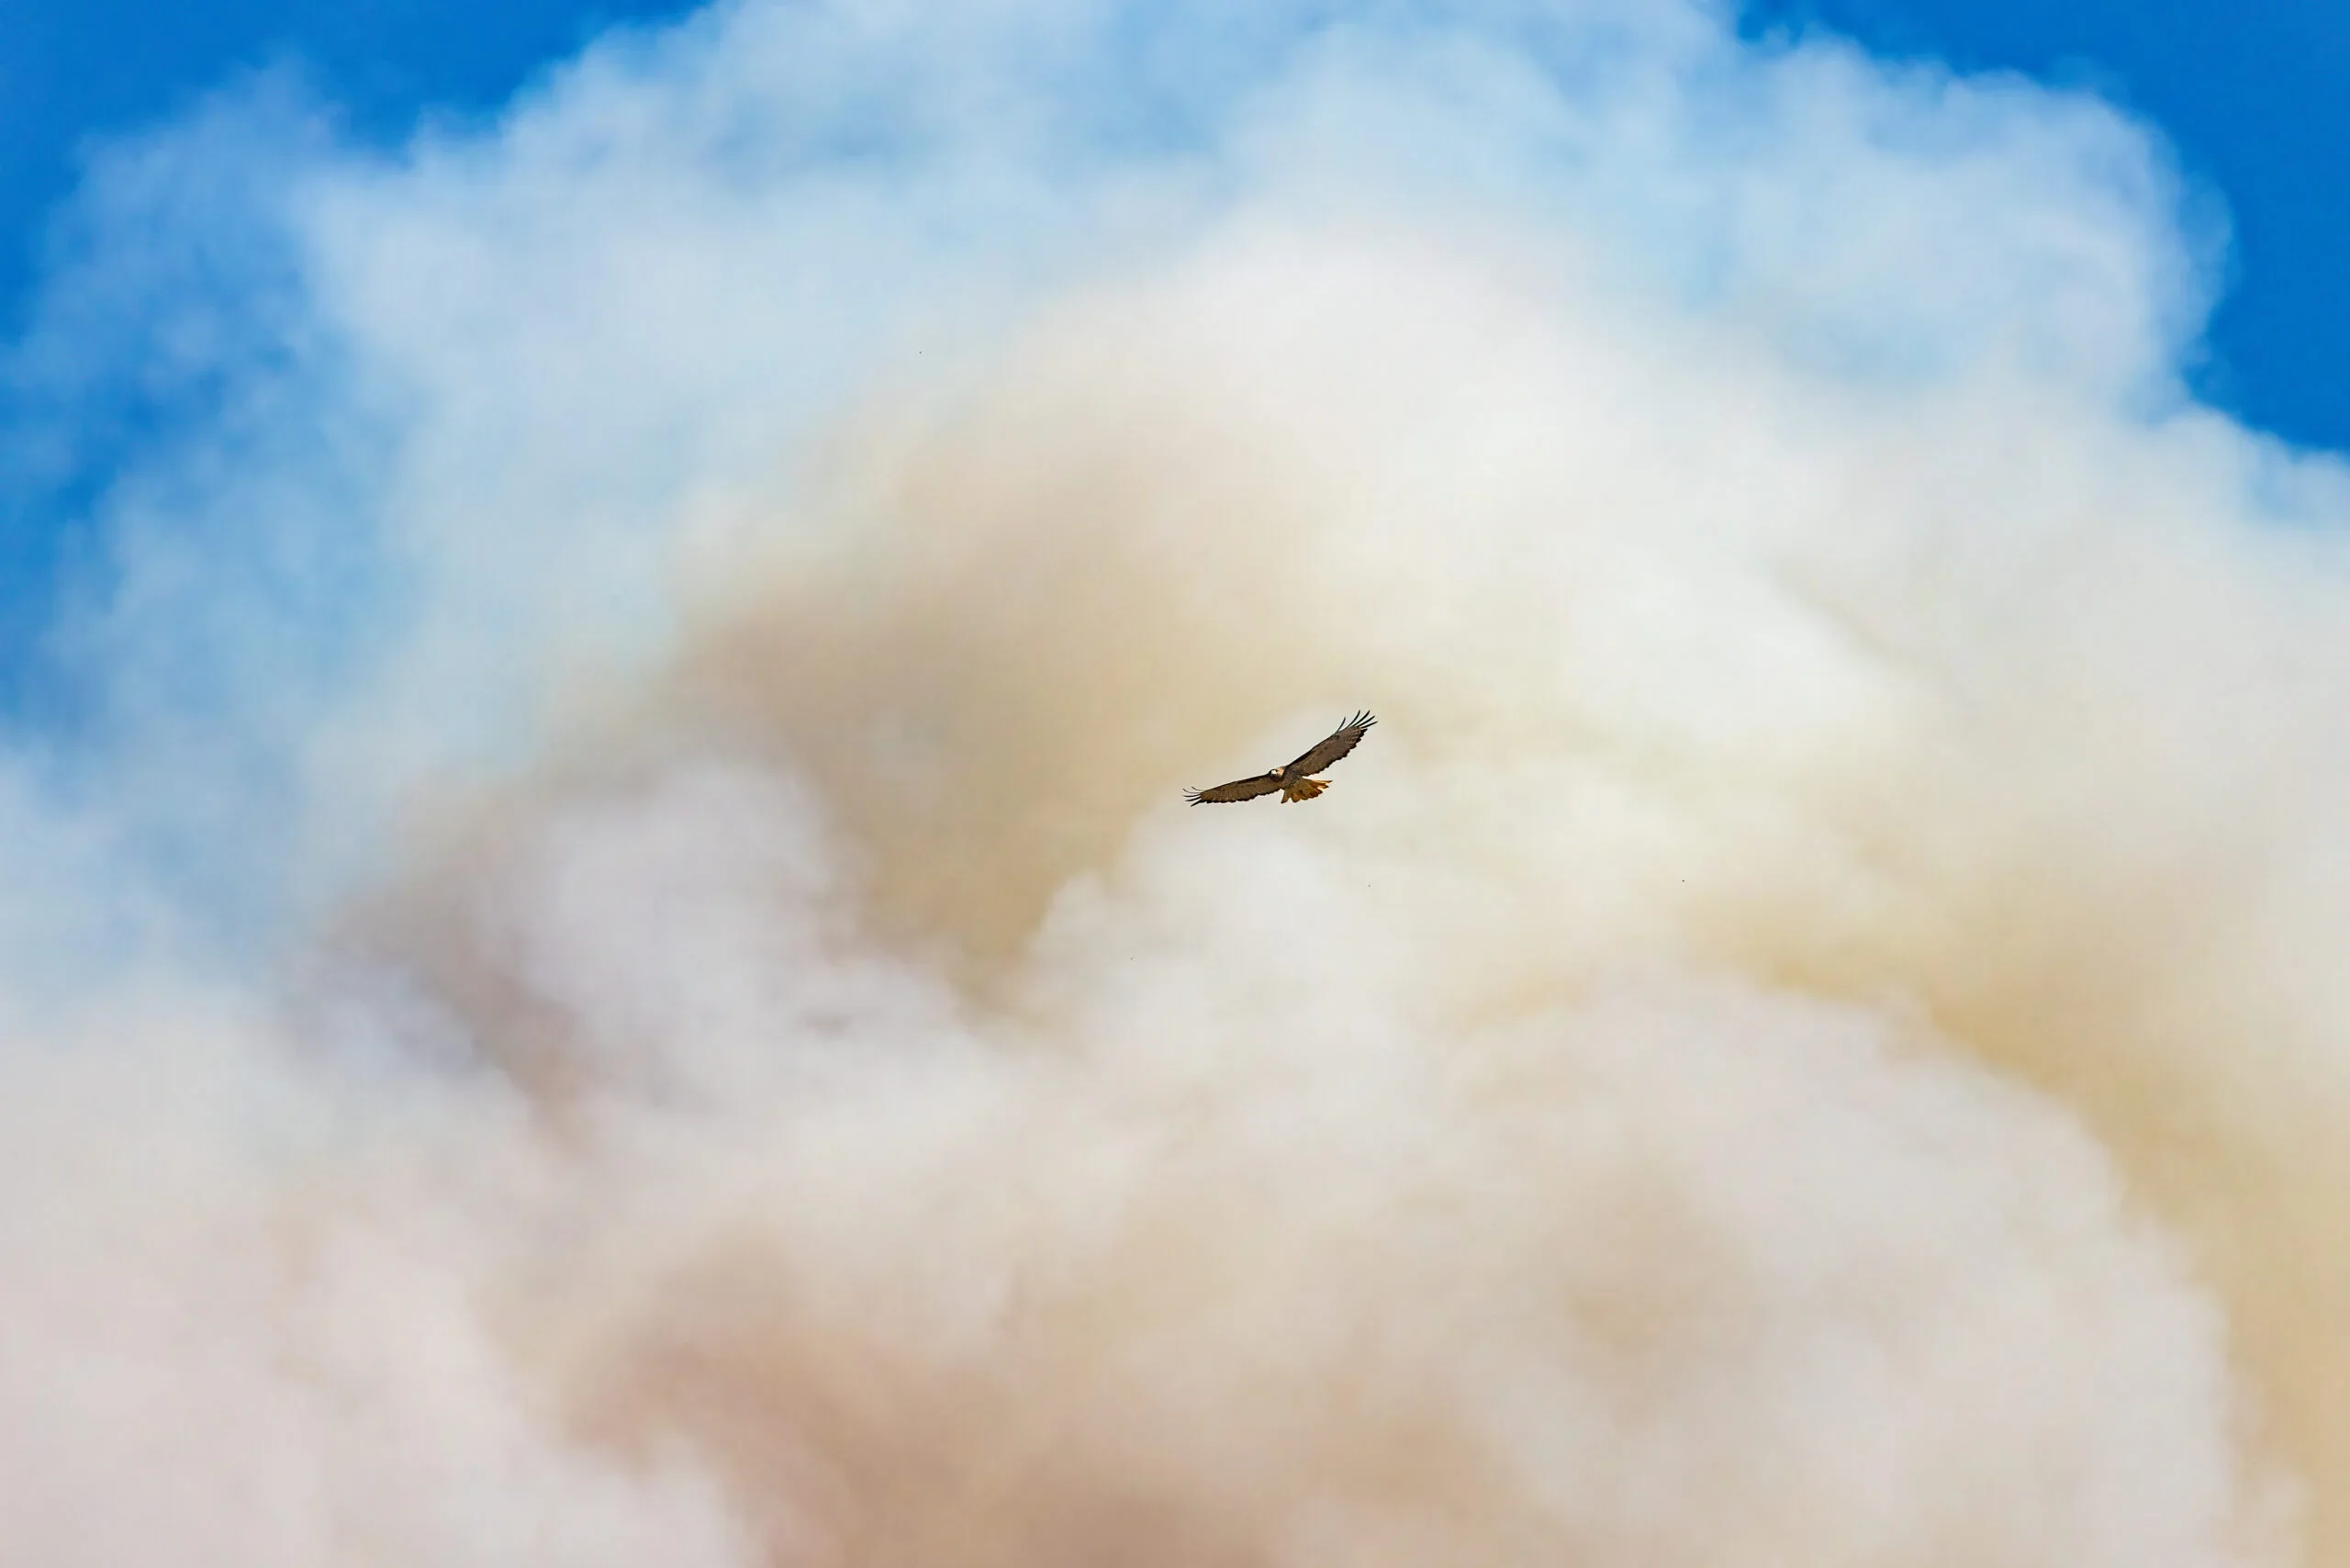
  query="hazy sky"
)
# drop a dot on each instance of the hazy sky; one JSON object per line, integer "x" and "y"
{"x": 2248, "y": 95}
{"x": 601, "y": 956}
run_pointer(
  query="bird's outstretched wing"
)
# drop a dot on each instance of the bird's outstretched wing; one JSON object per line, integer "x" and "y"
{"x": 1340, "y": 741}
{"x": 1238, "y": 789}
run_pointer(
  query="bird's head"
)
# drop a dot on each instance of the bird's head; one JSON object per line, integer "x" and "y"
{"x": 1279, "y": 769}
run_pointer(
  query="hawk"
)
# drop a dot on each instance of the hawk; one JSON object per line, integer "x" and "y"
{"x": 1290, "y": 778}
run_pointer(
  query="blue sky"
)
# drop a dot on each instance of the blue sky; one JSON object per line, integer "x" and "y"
{"x": 76, "y": 73}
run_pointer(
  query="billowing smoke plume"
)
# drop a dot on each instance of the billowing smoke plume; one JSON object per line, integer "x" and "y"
{"x": 611, "y": 968}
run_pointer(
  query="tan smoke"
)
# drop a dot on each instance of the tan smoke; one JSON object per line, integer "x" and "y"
{"x": 1802, "y": 1036}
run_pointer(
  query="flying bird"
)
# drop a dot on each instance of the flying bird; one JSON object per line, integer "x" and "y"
{"x": 1290, "y": 778}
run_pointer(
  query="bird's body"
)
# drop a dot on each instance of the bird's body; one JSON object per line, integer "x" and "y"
{"x": 1292, "y": 778}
